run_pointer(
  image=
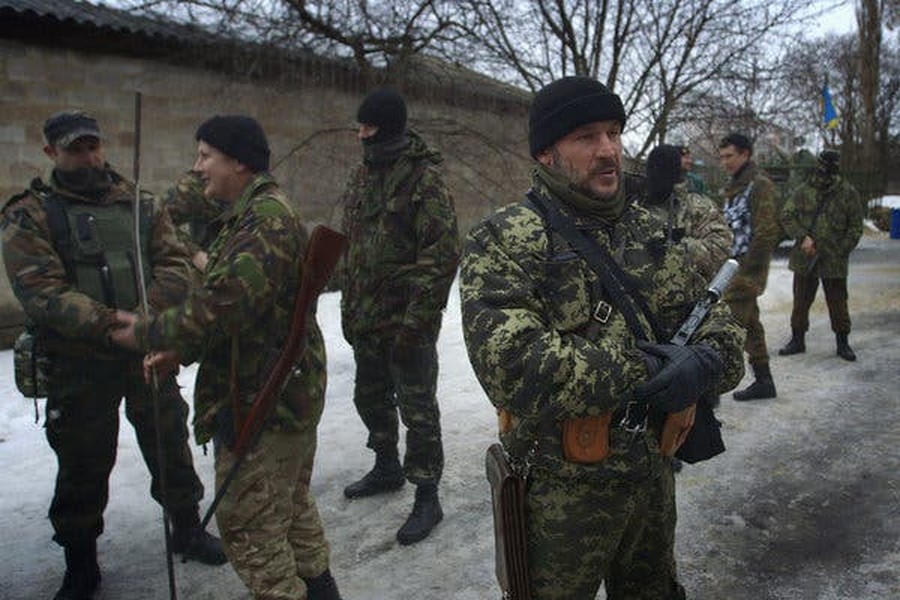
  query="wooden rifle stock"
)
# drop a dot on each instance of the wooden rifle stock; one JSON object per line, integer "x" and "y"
{"x": 322, "y": 255}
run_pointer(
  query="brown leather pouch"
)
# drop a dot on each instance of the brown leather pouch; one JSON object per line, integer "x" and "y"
{"x": 586, "y": 440}
{"x": 675, "y": 430}
{"x": 510, "y": 543}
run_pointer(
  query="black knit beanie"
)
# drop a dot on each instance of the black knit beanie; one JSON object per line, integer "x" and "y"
{"x": 385, "y": 109}
{"x": 567, "y": 104}
{"x": 239, "y": 137}
{"x": 663, "y": 171}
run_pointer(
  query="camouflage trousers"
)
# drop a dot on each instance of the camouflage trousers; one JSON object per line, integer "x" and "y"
{"x": 582, "y": 533}
{"x": 746, "y": 310}
{"x": 390, "y": 379}
{"x": 268, "y": 519}
{"x": 82, "y": 427}
{"x": 805, "y": 289}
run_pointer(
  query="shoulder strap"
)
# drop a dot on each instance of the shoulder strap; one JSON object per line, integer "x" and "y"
{"x": 612, "y": 277}
{"x": 58, "y": 222}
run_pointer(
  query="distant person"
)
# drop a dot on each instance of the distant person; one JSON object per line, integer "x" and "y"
{"x": 824, "y": 216}
{"x": 749, "y": 207}
{"x": 236, "y": 324}
{"x": 68, "y": 248}
{"x": 403, "y": 251}
{"x": 693, "y": 181}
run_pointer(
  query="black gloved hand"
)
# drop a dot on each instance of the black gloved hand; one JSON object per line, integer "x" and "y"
{"x": 687, "y": 372}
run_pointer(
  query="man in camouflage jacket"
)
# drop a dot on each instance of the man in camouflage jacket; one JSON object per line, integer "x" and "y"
{"x": 70, "y": 287}
{"x": 402, "y": 256}
{"x": 824, "y": 216}
{"x": 551, "y": 348}
{"x": 236, "y": 325}
{"x": 749, "y": 206}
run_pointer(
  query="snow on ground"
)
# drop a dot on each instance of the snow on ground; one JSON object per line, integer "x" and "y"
{"x": 805, "y": 504}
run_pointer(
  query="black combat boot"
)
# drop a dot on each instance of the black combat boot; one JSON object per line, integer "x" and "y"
{"x": 796, "y": 345}
{"x": 760, "y": 389}
{"x": 843, "y": 348}
{"x": 193, "y": 542}
{"x": 322, "y": 587}
{"x": 385, "y": 476}
{"x": 426, "y": 513}
{"x": 82, "y": 576}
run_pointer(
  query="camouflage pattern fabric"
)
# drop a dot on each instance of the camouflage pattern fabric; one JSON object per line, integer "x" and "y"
{"x": 753, "y": 272}
{"x": 704, "y": 233}
{"x": 83, "y": 429}
{"x": 245, "y": 305}
{"x": 197, "y": 218}
{"x": 838, "y": 227}
{"x": 805, "y": 289}
{"x": 750, "y": 280}
{"x": 527, "y": 302}
{"x": 403, "y": 246}
{"x": 389, "y": 379}
{"x": 39, "y": 281}
{"x": 268, "y": 520}
{"x": 88, "y": 377}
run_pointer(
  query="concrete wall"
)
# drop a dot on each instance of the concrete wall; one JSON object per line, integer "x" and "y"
{"x": 310, "y": 130}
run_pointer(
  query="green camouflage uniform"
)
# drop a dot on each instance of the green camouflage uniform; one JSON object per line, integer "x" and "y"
{"x": 88, "y": 377}
{"x": 837, "y": 232}
{"x": 401, "y": 259}
{"x": 750, "y": 280}
{"x": 528, "y": 305}
{"x": 700, "y": 228}
{"x": 241, "y": 317}
{"x": 197, "y": 217}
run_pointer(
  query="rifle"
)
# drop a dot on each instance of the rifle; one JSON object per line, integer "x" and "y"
{"x": 812, "y": 228}
{"x": 693, "y": 433}
{"x": 154, "y": 386}
{"x": 322, "y": 254}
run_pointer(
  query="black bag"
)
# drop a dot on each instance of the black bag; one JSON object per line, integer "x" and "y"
{"x": 704, "y": 440}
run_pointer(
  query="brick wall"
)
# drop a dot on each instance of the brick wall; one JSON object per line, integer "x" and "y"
{"x": 310, "y": 130}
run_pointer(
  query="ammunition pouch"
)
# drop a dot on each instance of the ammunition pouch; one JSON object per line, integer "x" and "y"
{"x": 675, "y": 430}
{"x": 586, "y": 440}
{"x": 31, "y": 364}
{"x": 510, "y": 542}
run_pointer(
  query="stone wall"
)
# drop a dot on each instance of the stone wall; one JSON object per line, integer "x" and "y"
{"x": 310, "y": 128}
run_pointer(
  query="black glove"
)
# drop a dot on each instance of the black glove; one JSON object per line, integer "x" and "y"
{"x": 687, "y": 372}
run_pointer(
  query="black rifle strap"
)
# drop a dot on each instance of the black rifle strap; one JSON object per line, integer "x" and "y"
{"x": 58, "y": 223}
{"x": 819, "y": 209}
{"x": 600, "y": 261}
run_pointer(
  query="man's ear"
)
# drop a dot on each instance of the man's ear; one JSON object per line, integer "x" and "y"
{"x": 51, "y": 151}
{"x": 546, "y": 157}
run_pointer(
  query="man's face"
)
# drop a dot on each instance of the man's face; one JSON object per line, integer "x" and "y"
{"x": 223, "y": 177}
{"x": 84, "y": 153}
{"x": 366, "y": 131}
{"x": 590, "y": 157}
{"x": 687, "y": 161}
{"x": 733, "y": 158}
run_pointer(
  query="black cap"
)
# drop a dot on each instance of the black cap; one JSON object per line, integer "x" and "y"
{"x": 738, "y": 140}
{"x": 386, "y": 109}
{"x": 238, "y": 136}
{"x": 830, "y": 161}
{"x": 65, "y": 127}
{"x": 567, "y": 104}
{"x": 663, "y": 171}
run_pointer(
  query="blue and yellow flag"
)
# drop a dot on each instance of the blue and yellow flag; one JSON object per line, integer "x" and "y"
{"x": 830, "y": 118}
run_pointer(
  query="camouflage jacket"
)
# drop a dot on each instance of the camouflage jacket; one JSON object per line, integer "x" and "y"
{"x": 403, "y": 246}
{"x": 837, "y": 230}
{"x": 76, "y": 323}
{"x": 697, "y": 224}
{"x": 528, "y": 306}
{"x": 197, "y": 218}
{"x": 241, "y": 316}
{"x": 751, "y": 278}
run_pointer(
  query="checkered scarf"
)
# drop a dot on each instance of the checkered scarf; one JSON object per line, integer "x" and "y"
{"x": 737, "y": 214}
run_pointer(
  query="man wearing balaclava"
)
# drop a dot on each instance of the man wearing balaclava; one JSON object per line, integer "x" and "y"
{"x": 581, "y": 379}
{"x": 824, "y": 216}
{"x": 401, "y": 259}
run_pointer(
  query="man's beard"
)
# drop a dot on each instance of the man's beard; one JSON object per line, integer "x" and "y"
{"x": 84, "y": 179}
{"x": 582, "y": 183}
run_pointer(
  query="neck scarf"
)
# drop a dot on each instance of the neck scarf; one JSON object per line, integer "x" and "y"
{"x": 581, "y": 202}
